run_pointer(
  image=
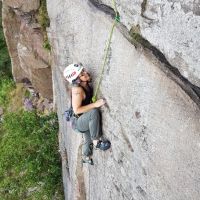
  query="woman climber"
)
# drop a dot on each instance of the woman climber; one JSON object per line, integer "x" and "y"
{"x": 86, "y": 117}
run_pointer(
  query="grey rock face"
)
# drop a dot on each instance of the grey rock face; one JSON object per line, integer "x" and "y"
{"x": 171, "y": 26}
{"x": 175, "y": 30}
{"x": 152, "y": 123}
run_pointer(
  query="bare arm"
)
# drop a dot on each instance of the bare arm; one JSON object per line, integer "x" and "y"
{"x": 77, "y": 98}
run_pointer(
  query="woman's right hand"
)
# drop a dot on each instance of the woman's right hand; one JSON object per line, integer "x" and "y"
{"x": 99, "y": 103}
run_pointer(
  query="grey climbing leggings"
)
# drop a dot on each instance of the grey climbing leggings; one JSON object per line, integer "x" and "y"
{"x": 89, "y": 124}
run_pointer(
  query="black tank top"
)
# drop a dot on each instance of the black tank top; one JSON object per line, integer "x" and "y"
{"x": 88, "y": 94}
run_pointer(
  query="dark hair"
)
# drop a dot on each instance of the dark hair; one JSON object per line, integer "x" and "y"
{"x": 76, "y": 82}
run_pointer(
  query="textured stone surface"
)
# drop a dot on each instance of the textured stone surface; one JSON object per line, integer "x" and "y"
{"x": 152, "y": 123}
{"x": 23, "y": 5}
{"x": 25, "y": 43}
{"x": 175, "y": 30}
{"x": 171, "y": 26}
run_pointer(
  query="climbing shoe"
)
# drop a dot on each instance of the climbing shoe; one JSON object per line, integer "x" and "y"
{"x": 103, "y": 145}
{"x": 89, "y": 161}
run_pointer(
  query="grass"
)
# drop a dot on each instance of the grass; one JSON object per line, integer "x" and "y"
{"x": 46, "y": 44}
{"x": 27, "y": 94}
{"x": 30, "y": 167}
{"x": 6, "y": 82}
{"x": 6, "y": 86}
{"x": 43, "y": 17}
{"x": 16, "y": 97}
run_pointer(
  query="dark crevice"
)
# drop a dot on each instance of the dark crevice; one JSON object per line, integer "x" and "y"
{"x": 192, "y": 90}
{"x": 196, "y": 90}
{"x": 143, "y": 9}
{"x": 143, "y": 6}
{"x": 102, "y": 7}
{"x": 81, "y": 194}
{"x": 137, "y": 40}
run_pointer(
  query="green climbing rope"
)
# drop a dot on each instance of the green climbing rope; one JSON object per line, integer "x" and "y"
{"x": 114, "y": 6}
{"x": 117, "y": 19}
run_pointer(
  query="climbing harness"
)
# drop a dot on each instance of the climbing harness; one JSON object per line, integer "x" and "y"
{"x": 117, "y": 19}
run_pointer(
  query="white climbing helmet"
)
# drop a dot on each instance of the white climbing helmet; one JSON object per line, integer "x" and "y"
{"x": 72, "y": 71}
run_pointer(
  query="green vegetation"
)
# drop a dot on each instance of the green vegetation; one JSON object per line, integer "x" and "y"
{"x": 6, "y": 83}
{"x": 43, "y": 15}
{"x": 29, "y": 159}
{"x": 6, "y": 86}
{"x": 44, "y": 22}
{"x": 30, "y": 166}
{"x": 27, "y": 94}
{"x": 46, "y": 44}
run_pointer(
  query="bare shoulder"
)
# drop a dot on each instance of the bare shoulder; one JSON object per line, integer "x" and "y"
{"x": 77, "y": 90}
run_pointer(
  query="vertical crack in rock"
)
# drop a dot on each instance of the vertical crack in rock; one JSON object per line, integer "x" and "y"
{"x": 65, "y": 166}
{"x": 136, "y": 39}
{"x": 64, "y": 157}
{"x": 100, "y": 6}
{"x": 126, "y": 138}
{"x": 81, "y": 195}
{"x": 143, "y": 9}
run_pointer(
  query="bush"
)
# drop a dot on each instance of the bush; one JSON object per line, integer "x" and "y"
{"x": 30, "y": 167}
{"x": 43, "y": 17}
{"x": 6, "y": 82}
{"x": 46, "y": 44}
{"x": 6, "y": 86}
{"x": 44, "y": 22}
